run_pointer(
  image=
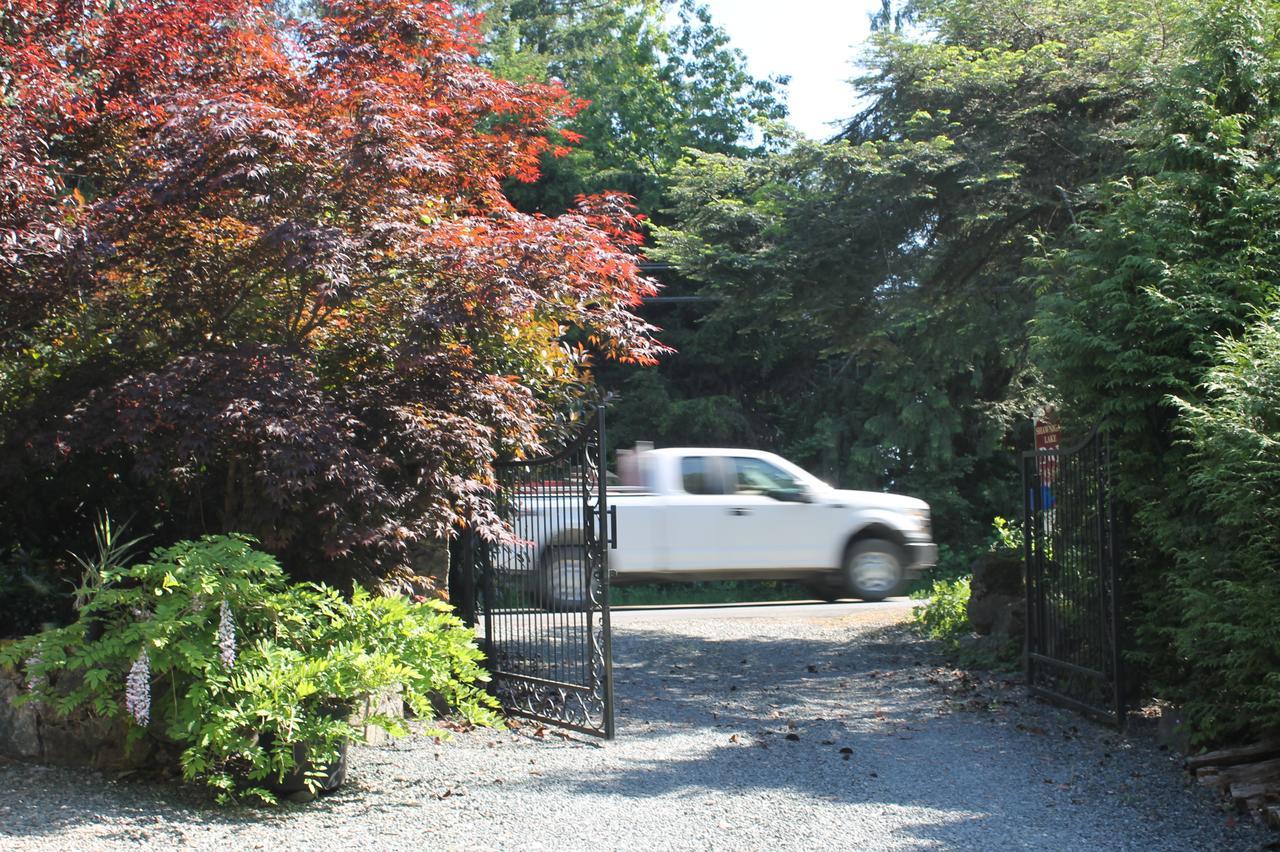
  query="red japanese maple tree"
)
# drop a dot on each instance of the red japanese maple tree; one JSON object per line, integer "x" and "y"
{"x": 260, "y": 275}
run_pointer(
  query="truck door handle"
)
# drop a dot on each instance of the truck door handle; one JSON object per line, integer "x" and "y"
{"x": 739, "y": 512}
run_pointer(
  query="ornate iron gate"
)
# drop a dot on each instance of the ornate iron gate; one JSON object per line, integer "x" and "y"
{"x": 1073, "y": 619}
{"x": 541, "y": 605}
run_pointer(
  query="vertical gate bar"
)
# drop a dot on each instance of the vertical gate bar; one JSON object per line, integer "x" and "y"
{"x": 1103, "y": 655}
{"x": 1029, "y": 488}
{"x": 465, "y": 576}
{"x": 1117, "y": 659}
{"x": 486, "y": 583}
{"x": 602, "y": 564}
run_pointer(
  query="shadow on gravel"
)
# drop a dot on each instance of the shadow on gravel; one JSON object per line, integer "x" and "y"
{"x": 683, "y": 679}
{"x": 862, "y": 723}
{"x": 126, "y": 811}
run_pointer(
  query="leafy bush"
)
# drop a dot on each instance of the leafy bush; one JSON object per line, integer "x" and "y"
{"x": 943, "y": 614}
{"x": 1227, "y": 584}
{"x": 1007, "y": 536}
{"x": 206, "y": 646}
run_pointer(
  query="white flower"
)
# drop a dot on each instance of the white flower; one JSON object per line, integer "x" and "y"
{"x": 137, "y": 689}
{"x": 34, "y": 679}
{"x": 227, "y": 637}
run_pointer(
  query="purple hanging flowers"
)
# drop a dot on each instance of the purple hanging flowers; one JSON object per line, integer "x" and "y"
{"x": 137, "y": 689}
{"x": 34, "y": 679}
{"x": 227, "y": 636}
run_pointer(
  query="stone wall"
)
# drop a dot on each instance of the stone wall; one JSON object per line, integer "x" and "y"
{"x": 997, "y": 596}
{"x": 32, "y": 732}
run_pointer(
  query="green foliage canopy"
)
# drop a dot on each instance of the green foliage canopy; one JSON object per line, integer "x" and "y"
{"x": 873, "y": 286}
{"x": 657, "y": 77}
{"x": 1180, "y": 253}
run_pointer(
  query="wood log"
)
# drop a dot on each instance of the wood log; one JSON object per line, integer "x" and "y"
{"x": 1250, "y": 773}
{"x": 1235, "y": 756}
{"x": 1207, "y": 775}
{"x": 1256, "y": 791}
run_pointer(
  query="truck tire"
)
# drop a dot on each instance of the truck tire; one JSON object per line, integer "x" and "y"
{"x": 873, "y": 569}
{"x": 564, "y": 578}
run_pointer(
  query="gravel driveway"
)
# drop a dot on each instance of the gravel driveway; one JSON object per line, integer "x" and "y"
{"x": 734, "y": 733}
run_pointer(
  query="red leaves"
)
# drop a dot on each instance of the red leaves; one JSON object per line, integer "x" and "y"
{"x": 324, "y": 316}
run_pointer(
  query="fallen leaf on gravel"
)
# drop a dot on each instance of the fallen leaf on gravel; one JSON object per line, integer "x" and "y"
{"x": 846, "y": 750}
{"x": 734, "y": 738}
{"x": 793, "y": 737}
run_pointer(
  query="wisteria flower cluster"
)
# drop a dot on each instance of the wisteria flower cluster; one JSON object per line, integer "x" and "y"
{"x": 32, "y": 666}
{"x": 137, "y": 689}
{"x": 227, "y": 636}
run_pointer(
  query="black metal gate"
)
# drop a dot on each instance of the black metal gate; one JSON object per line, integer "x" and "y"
{"x": 1073, "y": 621}
{"x": 541, "y": 604}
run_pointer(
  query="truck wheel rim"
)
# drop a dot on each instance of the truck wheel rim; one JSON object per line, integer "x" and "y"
{"x": 875, "y": 572}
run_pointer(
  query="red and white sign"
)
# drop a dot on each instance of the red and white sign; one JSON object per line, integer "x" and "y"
{"x": 1048, "y": 437}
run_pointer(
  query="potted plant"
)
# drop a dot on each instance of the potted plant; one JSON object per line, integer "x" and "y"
{"x": 251, "y": 677}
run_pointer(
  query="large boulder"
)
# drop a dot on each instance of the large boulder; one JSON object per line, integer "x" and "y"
{"x": 997, "y": 596}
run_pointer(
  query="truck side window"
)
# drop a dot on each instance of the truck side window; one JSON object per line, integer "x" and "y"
{"x": 756, "y": 476}
{"x": 701, "y": 475}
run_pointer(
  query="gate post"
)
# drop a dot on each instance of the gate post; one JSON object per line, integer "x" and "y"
{"x": 604, "y": 541}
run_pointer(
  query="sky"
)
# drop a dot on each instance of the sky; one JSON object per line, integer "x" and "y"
{"x": 815, "y": 41}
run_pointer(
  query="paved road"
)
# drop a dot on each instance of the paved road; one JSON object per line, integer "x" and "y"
{"x": 774, "y": 609}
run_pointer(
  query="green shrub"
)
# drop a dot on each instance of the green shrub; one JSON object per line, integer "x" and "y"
{"x": 943, "y": 612}
{"x": 206, "y": 646}
{"x": 1007, "y": 536}
{"x": 1226, "y": 585}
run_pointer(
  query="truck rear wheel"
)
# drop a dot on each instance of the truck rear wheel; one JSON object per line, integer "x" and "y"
{"x": 874, "y": 569}
{"x": 565, "y": 572}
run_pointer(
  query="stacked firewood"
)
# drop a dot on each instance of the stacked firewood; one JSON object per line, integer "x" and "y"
{"x": 1250, "y": 775}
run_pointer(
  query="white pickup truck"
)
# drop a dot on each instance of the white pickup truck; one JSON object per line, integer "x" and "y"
{"x": 714, "y": 514}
